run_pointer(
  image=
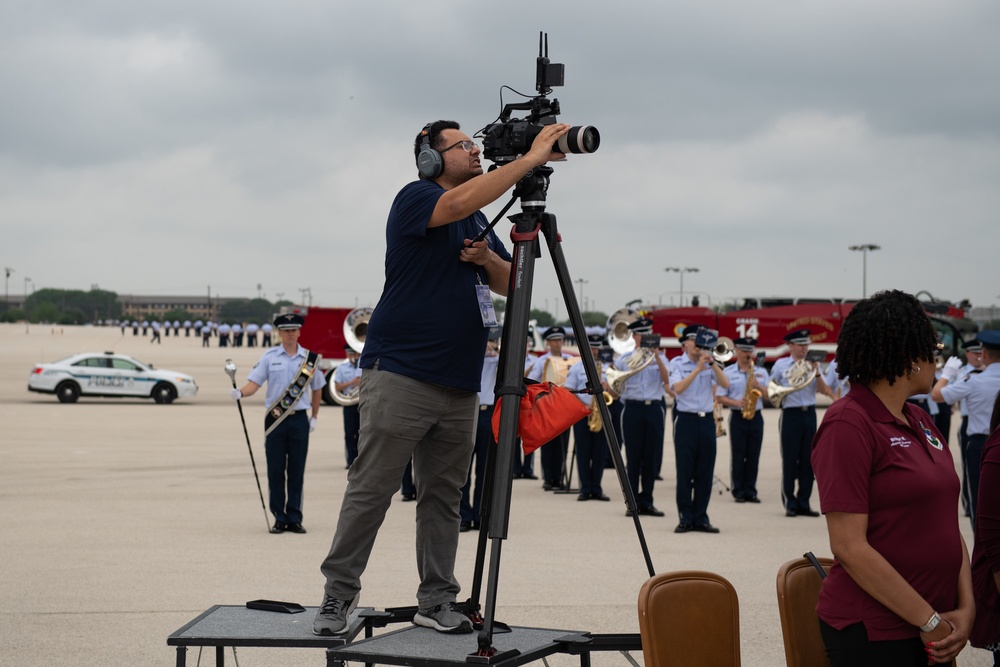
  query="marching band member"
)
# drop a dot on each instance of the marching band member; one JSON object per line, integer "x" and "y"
{"x": 591, "y": 446}
{"x": 554, "y": 451}
{"x": 838, "y": 386}
{"x": 797, "y": 426}
{"x": 744, "y": 395}
{"x": 979, "y": 391}
{"x": 294, "y": 387}
{"x": 974, "y": 364}
{"x": 694, "y": 430}
{"x": 347, "y": 375}
{"x": 472, "y": 496}
{"x": 524, "y": 464}
{"x": 643, "y": 418}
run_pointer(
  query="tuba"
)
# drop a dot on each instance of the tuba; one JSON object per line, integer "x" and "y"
{"x": 355, "y": 332}
{"x": 799, "y": 376}
{"x": 619, "y": 336}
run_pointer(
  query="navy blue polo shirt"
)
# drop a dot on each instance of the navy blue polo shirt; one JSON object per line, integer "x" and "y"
{"x": 427, "y": 324}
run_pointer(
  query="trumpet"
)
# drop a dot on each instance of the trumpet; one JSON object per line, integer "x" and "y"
{"x": 724, "y": 349}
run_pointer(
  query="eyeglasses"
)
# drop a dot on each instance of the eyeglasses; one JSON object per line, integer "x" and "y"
{"x": 466, "y": 145}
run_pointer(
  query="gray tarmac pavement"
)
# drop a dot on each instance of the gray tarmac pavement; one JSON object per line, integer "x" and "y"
{"x": 124, "y": 520}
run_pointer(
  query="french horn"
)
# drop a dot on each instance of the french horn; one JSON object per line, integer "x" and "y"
{"x": 799, "y": 376}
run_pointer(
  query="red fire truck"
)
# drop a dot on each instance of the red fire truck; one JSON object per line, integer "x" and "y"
{"x": 323, "y": 332}
{"x": 768, "y": 320}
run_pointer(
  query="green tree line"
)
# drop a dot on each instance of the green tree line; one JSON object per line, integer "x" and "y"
{"x": 57, "y": 306}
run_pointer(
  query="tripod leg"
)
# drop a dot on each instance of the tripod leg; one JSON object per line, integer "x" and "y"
{"x": 593, "y": 378}
{"x": 509, "y": 391}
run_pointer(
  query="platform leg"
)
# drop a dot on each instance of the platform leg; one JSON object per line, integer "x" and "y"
{"x": 220, "y": 656}
{"x": 181, "y": 656}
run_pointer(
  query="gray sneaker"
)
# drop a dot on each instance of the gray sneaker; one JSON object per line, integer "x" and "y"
{"x": 331, "y": 619}
{"x": 444, "y": 618}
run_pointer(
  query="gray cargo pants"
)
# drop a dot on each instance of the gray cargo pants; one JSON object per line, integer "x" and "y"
{"x": 402, "y": 417}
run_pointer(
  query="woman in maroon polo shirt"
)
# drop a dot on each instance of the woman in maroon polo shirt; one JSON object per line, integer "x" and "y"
{"x": 900, "y": 589}
{"x": 986, "y": 551}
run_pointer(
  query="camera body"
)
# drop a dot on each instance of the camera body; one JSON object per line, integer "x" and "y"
{"x": 508, "y": 138}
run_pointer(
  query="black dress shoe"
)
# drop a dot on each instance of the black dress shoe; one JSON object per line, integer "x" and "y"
{"x": 529, "y": 476}
{"x": 278, "y": 527}
{"x": 409, "y": 497}
{"x": 476, "y": 525}
{"x": 683, "y": 528}
{"x": 706, "y": 528}
{"x": 791, "y": 513}
{"x": 599, "y": 496}
{"x": 465, "y": 527}
{"x": 755, "y": 499}
{"x": 740, "y": 499}
{"x": 650, "y": 511}
{"x": 547, "y": 486}
{"x": 629, "y": 513}
{"x": 295, "y": 528}
{"x": 583, "y": 496}
{"x": 808, "y": 512}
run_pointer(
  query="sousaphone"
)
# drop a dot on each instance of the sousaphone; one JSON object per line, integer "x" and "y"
{"x": 355, "y": 332}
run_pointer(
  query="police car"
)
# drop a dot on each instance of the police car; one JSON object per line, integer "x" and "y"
{"x": 109, "y": 375}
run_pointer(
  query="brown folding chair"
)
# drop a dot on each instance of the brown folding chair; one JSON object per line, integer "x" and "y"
{"x": 689, "y": 619}
{"x": 798, "y": 591}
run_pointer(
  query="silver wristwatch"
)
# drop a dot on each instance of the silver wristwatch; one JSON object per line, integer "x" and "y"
{"x": 931, "y": 624}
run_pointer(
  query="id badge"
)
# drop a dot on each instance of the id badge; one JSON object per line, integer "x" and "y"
{"x": 486, "y": 311}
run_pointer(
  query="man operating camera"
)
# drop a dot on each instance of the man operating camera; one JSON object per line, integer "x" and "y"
{"x": 419, "y": 389}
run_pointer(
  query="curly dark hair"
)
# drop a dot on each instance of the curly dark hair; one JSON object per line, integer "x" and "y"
{"x": 882, "y": 337}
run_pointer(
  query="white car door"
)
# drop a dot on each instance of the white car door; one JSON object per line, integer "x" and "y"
{"x": 96, "y": 376}
{"x": 130, "y": 379}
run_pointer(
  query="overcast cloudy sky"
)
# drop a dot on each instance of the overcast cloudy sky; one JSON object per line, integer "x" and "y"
{"x": 175, "y": 147}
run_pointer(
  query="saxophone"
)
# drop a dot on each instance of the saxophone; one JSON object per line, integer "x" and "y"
{"x": 750, "y": 396}
{"x": 594, "y": 422}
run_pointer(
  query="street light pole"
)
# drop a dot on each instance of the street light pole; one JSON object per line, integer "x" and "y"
{"x": 6, "y": 288}
{"x": 581, "y": 282}
{"x": 26, "y": 320}
{"x": 681, "y": 271}
{"x": 863, "y": 249}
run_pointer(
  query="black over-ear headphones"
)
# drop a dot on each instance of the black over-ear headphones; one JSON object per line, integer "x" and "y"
{"x": 429, "y": 161}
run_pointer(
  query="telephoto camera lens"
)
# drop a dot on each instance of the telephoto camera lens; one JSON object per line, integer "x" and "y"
{"x": 579, "y": 139}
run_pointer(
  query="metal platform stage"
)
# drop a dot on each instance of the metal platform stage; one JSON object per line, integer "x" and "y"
{"x": 410, "y": 646}
{"x": 232, "y": 625}
{"x": 423, "y": 647}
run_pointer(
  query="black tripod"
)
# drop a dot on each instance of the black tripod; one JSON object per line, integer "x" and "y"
{"x": 510, "y": 386}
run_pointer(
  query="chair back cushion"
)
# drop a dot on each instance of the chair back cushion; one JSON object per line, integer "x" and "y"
{"x": 689, "y": 618}
{"x": 798, "y": 592}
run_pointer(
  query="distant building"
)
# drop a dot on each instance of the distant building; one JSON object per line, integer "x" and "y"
{"x": 138, "y": 307}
